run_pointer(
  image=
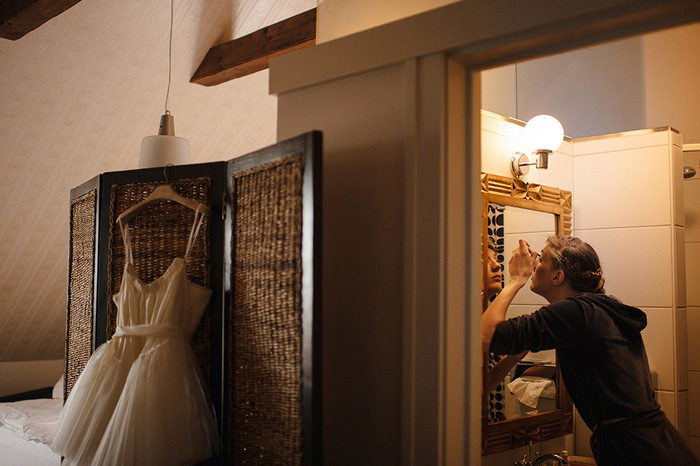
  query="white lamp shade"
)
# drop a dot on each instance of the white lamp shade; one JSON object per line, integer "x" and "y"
{"x": 543, "y": 132}
{"x": 159, "y": 151}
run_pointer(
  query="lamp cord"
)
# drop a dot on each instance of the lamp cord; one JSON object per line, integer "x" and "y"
{"x": 517, "y": 113}
{"x": 170, "y": 57}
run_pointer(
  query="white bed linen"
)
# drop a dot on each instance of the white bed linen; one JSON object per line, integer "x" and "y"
{"x": 26, "y": 429}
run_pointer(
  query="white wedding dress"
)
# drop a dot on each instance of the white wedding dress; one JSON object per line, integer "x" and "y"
{"x": 140, "y": 399}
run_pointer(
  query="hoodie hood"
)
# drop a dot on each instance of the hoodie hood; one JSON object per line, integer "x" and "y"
{"x": 629, "y": 320}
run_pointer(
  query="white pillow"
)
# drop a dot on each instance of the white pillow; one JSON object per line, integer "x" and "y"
{"x": 58, "y": 389}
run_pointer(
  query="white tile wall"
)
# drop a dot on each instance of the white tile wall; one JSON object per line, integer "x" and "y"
{"x": 622, "y": 189}
{"x": 681, "y": 349}
{"x": 497, "y": 124}
{"x": 694, "y": 444}
{"x": 637, "y": 263}
{"x": 692, "y": 273}
{"x": 625, "y": 141}
{"x": 677, "y": 185}
{"x": 679, "y": 257}
{"x": 693, "y": 331}
{"x": 499, "y": 150}
{"x": 683, "y": 415}
{"x": 499, "y": 141}
{"x": 582, "y": 437}
{"x": 691, "y": 192}
{"x": 560, "y": 173}
{"x": 694, "y": 403}
{"x": 676, "y": 139}
{"x": 667, "y": 400}
{"x": 658, "y": 340}
{"x": 628, "y": 200}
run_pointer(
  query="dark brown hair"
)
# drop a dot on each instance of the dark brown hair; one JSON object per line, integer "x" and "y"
{"x": 579, "y": 261}
{"x": 491, "y": 245}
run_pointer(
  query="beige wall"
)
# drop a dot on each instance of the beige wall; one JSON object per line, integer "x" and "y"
{"x": 672, "y": 73}
{"x": 643, "y": 82}
{"x": 595, "y": 90}
{"x": 385, "y": 393}
{"x": 338, "y": 18}
{"x": 363, "y": 179}
{"x": 23, "y": 376}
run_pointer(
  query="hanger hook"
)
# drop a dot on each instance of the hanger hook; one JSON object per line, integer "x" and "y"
{"x": 165, "y": 172}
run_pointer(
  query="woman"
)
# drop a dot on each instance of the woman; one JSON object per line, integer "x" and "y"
{"x": 599, "y": 350}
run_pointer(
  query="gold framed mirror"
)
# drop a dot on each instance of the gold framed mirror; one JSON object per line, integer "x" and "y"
{"x": 515, "y": 209}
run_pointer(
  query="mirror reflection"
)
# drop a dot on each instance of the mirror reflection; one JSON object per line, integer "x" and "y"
{"x": 524, "y": 384}
{"x": 513, "y": 209}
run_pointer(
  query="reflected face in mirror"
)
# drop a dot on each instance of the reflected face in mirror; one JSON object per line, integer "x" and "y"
{"x": 494, "y": 274}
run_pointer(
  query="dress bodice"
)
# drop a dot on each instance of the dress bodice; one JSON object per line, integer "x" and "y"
{"x": 171, "y": 300}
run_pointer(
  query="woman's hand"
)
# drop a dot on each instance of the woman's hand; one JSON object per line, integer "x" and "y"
{"x": 521, "y": 263}
{"x": 520, "y": 268}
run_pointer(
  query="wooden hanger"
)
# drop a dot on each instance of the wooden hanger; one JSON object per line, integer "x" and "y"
{"x": 164, "y": 192}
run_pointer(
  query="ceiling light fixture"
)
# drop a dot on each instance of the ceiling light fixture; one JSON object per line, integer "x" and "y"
{"x": 543, "y": 134}
{"x": 165, "y": 148}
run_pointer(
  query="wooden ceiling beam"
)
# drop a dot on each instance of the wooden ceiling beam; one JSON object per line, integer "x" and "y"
{"x": 18, "y": 17}
{"x": 251, "y": 53}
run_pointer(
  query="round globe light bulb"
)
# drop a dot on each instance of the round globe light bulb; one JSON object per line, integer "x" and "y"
{"x": 543, "y": 133}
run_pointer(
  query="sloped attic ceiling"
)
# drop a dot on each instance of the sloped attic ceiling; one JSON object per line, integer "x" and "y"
{"x": 76, "y": 96}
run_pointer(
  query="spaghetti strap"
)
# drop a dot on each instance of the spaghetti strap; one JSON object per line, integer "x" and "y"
{"x": 194, "y": 232}
{"x": 127, "y": 241}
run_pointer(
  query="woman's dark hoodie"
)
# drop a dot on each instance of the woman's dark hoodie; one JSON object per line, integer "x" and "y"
{"x": 599, "y": 349}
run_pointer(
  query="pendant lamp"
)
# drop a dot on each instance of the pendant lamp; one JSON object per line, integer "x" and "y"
{"x": 165, "y": 148}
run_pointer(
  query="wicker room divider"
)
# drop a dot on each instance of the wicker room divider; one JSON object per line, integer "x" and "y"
{"x": 81, "y": 281}
{"x": 258, "y": 346}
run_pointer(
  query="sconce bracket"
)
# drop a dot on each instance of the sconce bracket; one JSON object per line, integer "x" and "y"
{"x": 543, "y": 158}
{"x": 519, "y": 165}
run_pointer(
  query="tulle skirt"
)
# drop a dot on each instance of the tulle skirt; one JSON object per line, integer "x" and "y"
{"x": 146, "y": 407}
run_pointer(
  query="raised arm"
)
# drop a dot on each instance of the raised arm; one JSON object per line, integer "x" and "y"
{"x": 520, "y": 268}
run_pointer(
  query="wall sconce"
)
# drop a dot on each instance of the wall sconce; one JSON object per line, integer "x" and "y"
{"x": 543, "y": 134}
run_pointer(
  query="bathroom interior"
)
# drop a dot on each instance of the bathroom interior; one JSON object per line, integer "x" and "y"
{"x": 634, "y": 181}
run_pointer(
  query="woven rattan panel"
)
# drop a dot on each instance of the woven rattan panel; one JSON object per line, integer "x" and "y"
{"x": 159, "y": 234}
{"x": 264, "y": 335}
{"x": 80, "y": 286}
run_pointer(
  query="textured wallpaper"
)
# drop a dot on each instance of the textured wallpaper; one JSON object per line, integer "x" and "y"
{"x": 76, "y": 97}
